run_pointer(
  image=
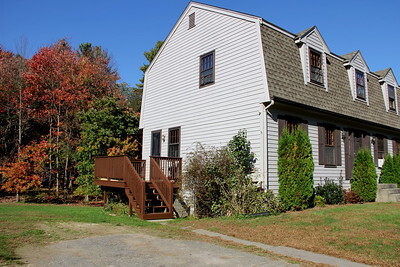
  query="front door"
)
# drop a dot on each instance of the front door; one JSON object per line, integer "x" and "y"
{"x": 155, "y": 143}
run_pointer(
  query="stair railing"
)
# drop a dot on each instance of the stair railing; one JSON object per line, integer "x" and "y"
{"x": 160, "y": 181}
{"x": 121, "y": 168}
{"x": 171, "y": 167}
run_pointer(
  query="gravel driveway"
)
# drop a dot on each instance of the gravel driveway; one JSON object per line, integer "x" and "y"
{"x": 137, "y": 249}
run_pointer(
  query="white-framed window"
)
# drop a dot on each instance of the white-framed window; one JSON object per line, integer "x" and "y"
{"x": 391, "y": 97}
{"x": 361, "y": 88}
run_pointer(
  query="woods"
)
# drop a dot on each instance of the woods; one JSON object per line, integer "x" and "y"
{"x": 58, "y": 110}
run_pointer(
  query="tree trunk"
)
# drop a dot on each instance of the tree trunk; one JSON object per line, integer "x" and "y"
{"x": 17, "y": 197}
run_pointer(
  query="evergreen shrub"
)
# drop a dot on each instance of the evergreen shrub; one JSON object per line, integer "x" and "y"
{"x": 390, "y": 172}
{"x": 364, "y": 177}
{"x": 330, "y": 191}
{"x": 295, "y": 170}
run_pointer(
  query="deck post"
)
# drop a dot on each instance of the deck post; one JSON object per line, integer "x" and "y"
{"x": 130, "y": 209}
{"x": 105, "y": 198}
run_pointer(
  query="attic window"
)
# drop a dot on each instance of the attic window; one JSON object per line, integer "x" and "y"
{"x": 360, "y": 85}
{"x": 192, "y": 21}
{"x": 316, "y": 73}
{"x": 392, "y": 98}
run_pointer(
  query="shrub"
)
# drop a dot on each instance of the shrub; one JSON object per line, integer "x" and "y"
{"x": 364, "y": 178}
{"x": 330, "y": 191}
{"x": 221, "y": 184}
{"x": 352, "y": 197}
{"x": 319, "y": 201}
{"x": 295, "y": 170}
{"x": 390, "y": 173}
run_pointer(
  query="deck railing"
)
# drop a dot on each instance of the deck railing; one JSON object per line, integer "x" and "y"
{"x": 163, "y": 185}
{"x": 140, "y": 167}
{"x": 171, "y": 167}
{"x": 120, "y": 168}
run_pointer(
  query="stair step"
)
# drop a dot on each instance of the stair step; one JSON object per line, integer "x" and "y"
{"x": 391, "y": 190}
{"x": 386, "y": 186}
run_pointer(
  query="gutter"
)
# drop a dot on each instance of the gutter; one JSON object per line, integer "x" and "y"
{"x": 265, "y": 141}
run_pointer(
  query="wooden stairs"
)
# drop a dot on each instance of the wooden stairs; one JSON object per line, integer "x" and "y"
{"x": 150, "y": 199}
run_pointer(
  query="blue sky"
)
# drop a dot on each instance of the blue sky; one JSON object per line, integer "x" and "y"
{"x": 127, "y": 28}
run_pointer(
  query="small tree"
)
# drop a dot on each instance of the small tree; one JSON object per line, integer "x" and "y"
{"x": 364, "y": 178}
{"x": 295, "y": 170}
{"x": 390, "y": 173}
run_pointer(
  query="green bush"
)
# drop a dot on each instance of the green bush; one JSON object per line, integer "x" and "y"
{"x": 390, "y": 173}
{"x": 295, "y": 170}
{"x": 330, "y": 191}
{"x": 364, "y": 178}
{"x": 319, "y": 201}
{"x": 221, "y": 183}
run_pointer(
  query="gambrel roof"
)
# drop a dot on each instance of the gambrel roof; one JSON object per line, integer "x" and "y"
{"x": 286, "y": 83}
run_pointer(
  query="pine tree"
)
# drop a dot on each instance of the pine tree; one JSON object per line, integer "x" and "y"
{"x": 295, "y": 170}
{"x": 364, "y": 178}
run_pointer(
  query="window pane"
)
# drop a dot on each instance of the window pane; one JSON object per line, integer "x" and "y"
{"x": 207, "y": 69}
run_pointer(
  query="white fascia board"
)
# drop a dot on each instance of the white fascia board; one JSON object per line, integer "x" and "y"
{"x": 363, "y": 60}
{"x": 272, "y": 26}
{"x": 142, "y": 107}
{"x": 266, "y": 96}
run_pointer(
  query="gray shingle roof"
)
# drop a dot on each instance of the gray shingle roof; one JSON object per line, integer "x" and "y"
{"x": 285, "y": 81}
{"x": 350, "y": 56}
{"x": 382, "y": 73}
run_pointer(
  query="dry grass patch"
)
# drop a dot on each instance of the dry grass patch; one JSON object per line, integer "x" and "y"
{"x": 368, "y": 233}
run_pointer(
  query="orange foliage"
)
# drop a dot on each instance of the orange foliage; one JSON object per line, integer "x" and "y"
{"x": 28, "y": 169}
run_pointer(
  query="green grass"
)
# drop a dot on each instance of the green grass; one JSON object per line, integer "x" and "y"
{"x": 21, "y": 224}
{"x": 367, "y": 233}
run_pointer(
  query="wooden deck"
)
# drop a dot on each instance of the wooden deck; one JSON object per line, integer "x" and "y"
{"x": 150, "y": 199}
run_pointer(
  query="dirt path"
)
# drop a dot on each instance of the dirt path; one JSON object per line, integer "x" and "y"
{"x": 102, "y": 245}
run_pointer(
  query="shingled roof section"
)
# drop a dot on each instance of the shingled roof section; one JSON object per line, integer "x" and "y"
{"x": 285, "y": 81}
{"x": 350, "y": 56}
{"x": 382, "y": 73}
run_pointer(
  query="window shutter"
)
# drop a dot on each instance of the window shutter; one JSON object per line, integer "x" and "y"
{"x": 304, "y": 126}
{"x": 281, "y": 126}
{"x": 366, "y": 142}
{"x": 394, "y": 145}
{"x": 385, "y": 146}
{"x": 348, "y": 149}
{"x": 376, "y": 151}
{"x": 321, "y": 145}
{"x": 338, "y": 150}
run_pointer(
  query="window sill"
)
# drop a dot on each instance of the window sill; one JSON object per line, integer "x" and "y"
{"x": 206, "y": 85}
{"x": 317, "y": 84}
{"x": 330, "y": 166}
{"x": 361, "y": 100}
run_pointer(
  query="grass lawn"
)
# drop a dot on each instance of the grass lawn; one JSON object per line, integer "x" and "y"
{"x": 27, "y": 224}
{"x": 366, "y": 233}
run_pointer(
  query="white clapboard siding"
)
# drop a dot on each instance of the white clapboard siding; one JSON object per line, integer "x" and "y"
{"x": 314, "y": 41}
{"x": 320, "y": 172}
{"x": 210, "y": 115}
{"x": 359, "y": 63}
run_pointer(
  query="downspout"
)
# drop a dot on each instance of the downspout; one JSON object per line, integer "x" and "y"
{"x": 266, "y": 170}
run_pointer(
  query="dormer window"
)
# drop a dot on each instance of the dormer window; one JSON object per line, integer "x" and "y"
{"x": 391, "y": 98}
{"x": 313, "y": 54}
{"x": 316, "y": 73}
{"x": 360, "y": 85}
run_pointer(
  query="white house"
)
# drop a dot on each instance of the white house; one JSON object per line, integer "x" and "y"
{"x": 220, "y": 71}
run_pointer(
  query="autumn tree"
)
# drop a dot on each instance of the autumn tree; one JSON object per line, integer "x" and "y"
{"x": 12, "y": 115}
{"x": 108, "y": 128}
{"x": 60, "y": 82}
{"x": 29, "y": 169}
